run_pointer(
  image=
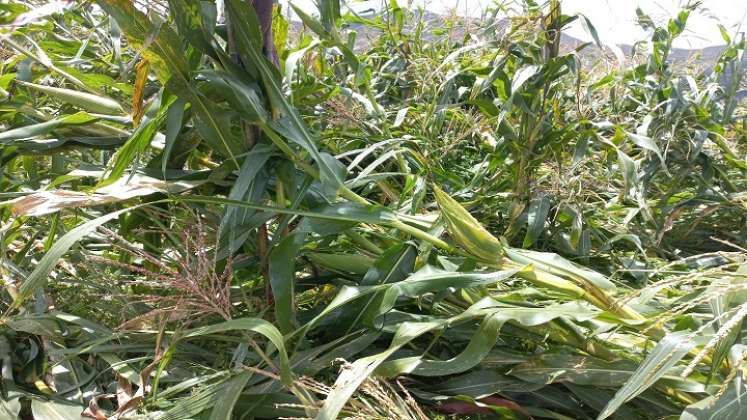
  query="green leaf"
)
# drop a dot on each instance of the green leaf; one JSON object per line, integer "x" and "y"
{"x": 283, "y": 277}
{"x": 536, "y": 218}
{"x": 428, "y": 280}
{"x": 293, "y": 59}
{"x": 39, "y": 325}
{"x": 725, "y": 344}
{"x": 87, "y": 101}
{"x": 466, "y": 230}
{"x": 208, "y": 397}
{"x": 395, "y": 265}
{"x": 174, "y": 118}
{"x": 484, "y": 338}
{"x": 350, "y": 378}
{"x": 121, "y": 367}
{"x": 241, "y": 95}
{"x": 38, "y": 278}
{"x": 677, "y": 25}
{"x": 163, "y": 47}
{"x": 270, "y": 406}
{"x": 56, "y": 410}
{"x": 555, "y": 264}
{"x": 522, "y": 75}
{"x": 329, "y": 11}
{"x": 29, "y": 131}
{"x": 244, "y": 189}
{"x": 314, "y": 24}
{"x": 330, "y": 36}
{"x": 589, "y": 27}
{"x": 646, "y": 143}
{"x": 345, "y": 263}
{"x": 629, "y": 237}
{"x": 730, "y": 406}
{"x": 189, "y": 21}
{"x": 132, "y": 150}
{"x": 291, "y": 125}
{"x": 596, "y": 398}
{"x": 479, "y": 346}
{"x": 670, "y": 350}
{"x": 579, "y": 370}
{"x": 518, "y": 316}
{"x": 257, "y": 325}
{"x": 229, "y": 395}
{"x": 10, "y": 404}
{"x": 724, "y": 34}
{"x": 344, "y": 212}
{"x": 479, "y": 384}
{"x": 629, "y": 172}
{"x": 343, "y": 348}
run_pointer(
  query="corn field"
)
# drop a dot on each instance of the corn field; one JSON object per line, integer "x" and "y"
{"x": 211, "y": 211}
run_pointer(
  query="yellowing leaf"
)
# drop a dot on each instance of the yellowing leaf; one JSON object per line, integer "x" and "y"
{"x": 466, "y": 230}
{"x": 141, "y": 76}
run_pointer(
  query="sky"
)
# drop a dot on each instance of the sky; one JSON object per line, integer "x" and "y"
{"x": 615, "y": 20}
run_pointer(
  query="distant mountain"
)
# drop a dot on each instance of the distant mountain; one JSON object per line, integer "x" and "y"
{"x": 704, "y": 58}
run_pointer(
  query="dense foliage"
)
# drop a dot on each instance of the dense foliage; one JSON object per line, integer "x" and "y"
{"x": 405, "y": 217}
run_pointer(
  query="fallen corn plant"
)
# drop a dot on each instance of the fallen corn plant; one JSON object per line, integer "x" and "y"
{"x": 453, "y": 218}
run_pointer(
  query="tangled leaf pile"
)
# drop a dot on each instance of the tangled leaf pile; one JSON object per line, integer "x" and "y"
{"x": 397, "y": 217}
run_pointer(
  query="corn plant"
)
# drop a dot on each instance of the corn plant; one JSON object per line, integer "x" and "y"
{"x": 212, "y": 212}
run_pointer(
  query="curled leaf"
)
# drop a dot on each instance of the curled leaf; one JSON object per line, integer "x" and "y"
{"x": 141, "y": 76}
{"x": 86, "y": 101}
{"x": 47, "y": 202}
{"x": 466, "y": 230}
